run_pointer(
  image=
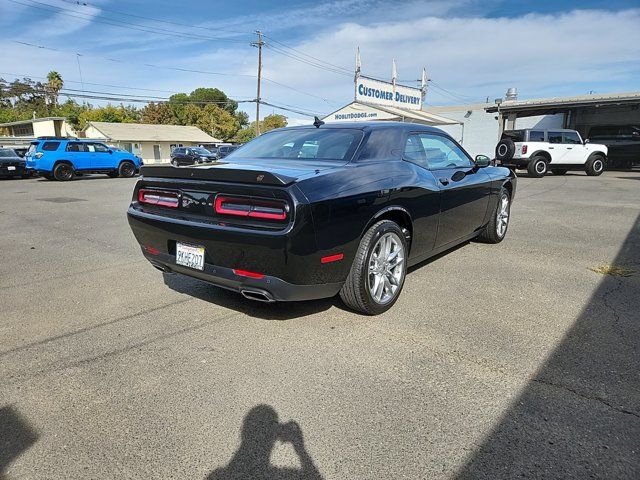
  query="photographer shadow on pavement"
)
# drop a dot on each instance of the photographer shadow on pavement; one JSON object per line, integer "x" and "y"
{"x": 228, "y": 299}
{"x": 260, "y": 432}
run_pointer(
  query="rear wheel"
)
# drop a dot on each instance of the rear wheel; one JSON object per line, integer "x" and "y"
{"x": 558, "y": 171}
{"x": 594, "y": 166}
{"x": 127, "y": 169}
{"x": 505, "y": 149}
{"x": 63, "y": 172}
{"x": 537, "y": 167}
{"x": 378, "y": 271}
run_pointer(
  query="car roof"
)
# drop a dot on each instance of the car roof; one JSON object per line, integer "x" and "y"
{"x": 367, "y": 126}
{"x": 541, "y": 129}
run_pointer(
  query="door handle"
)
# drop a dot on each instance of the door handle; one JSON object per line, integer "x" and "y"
{"x": 569, "y": 148}
{"x": 551, "y": 148}
{"x": 444, "y": 181}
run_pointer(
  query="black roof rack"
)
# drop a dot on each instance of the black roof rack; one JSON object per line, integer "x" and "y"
{"x": 57, "y": 138}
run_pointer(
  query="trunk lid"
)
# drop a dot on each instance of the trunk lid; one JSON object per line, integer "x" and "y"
{"x": 280, "y": 172}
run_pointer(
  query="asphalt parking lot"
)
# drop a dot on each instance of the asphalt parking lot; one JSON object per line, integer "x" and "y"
{"x": 504, "y": 361}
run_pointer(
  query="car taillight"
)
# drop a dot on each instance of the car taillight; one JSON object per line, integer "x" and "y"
{"x": 251, "y": 207}
{"x": 158, "y": 197}
{"x": 524, "y": 149}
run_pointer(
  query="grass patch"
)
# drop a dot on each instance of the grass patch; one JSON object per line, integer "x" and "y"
{"x": 614, "y": 270}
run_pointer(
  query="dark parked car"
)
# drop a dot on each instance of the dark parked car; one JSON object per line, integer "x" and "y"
{"x": 224, "y": 150}
{"x": 303, "y": 212}
{"x": 11, "y": 164}
{"x": 623, "y": 142}
{"x": 191, "y": 156}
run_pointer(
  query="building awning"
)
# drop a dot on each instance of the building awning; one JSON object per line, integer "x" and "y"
{"x": 560, "y": 103}
{"x": 357, "y": 111}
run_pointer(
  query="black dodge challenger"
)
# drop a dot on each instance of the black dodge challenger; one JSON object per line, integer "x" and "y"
{"x": 309, "y": 212}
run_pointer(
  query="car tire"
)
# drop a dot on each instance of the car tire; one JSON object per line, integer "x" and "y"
{"x": 505, "y": 149}
{"x": 559, "y": 171}
{"x": 496, "y": 229}
{"x": 63, "y": 172}
{"x": 174, "y": 162}
{"x": 376, "y": 278}
{"x": 537, "y": 167}
{"x": 594, "y": 166}
{"x": 126, "y": 169}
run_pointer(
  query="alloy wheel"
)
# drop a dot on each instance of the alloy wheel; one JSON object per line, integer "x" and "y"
{"x": 386, "y": 269}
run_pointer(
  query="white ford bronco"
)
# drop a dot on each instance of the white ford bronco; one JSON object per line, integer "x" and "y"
{"x": 559, "y": 150}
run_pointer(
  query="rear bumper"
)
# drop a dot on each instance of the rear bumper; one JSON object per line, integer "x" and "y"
{"x": 267, "y": 288}
{"x": 515, "y": 162}
{"x": 288, "y": 259}
{"x": 5, "y": 172}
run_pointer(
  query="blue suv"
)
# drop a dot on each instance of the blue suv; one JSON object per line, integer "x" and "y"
{"x": 64, "y": 158}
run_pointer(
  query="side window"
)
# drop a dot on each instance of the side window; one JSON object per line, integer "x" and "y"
{"x": 74, "y": 147}
{"x": 50, "y": 146}
{"x": 555, "y": 137}
{"x": 536, "y": 136}
{"x": 100, "y": 148}
{"x": 414, "y": 151}
{"x": 442, "y": 152}
{"x": 572, "y": 138}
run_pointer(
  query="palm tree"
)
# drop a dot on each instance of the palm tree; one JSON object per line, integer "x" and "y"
{"x": 54, "y": 85}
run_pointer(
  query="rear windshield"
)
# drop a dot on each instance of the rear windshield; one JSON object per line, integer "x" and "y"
{"x": 50, "y": 146}
{"x": 5, "y": 152}
{"x": 322, "y": 143}
{"x": 515, "y": 135}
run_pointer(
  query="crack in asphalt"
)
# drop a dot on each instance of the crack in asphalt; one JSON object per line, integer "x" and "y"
{"x": 585, "y": 396}
{"x": 92, "y": 327}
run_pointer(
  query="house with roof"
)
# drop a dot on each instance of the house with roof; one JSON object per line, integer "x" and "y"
{"x": 153, "y": 143}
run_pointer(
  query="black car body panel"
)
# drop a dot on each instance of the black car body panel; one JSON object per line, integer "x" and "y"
{"x": 623, "y": 142}
{"x": 11, "y": 164}
{"x": 331, "y": 204}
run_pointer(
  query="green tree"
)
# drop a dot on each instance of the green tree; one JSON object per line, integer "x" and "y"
{"x": 110, "y": 113}
{"x": 54, "y": 85}
{"x": 270, "y": 122}
{"x": 214, "y": 96}
{"x": 217, "y": 122}
{"x": 157, "y": 113}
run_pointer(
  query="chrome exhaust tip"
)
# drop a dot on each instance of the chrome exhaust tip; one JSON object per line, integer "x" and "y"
{"x": 257, "y": 295}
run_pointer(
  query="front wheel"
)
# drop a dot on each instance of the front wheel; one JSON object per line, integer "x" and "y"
{"x": 496, "y": 229}
{"x": 378, "y": 271}
{"x": 594, "y": 166}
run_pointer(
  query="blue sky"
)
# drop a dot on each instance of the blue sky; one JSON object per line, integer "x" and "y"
{"x": 471, "y": 49}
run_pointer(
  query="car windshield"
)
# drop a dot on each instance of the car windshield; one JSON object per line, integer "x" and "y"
{"x": 6, "y": 152}
{"x": 200, "y": 151}
{"x": 322, "y": 143}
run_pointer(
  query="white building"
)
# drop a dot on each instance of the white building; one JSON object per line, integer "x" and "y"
{"x": 153, "y": 143}
{"x": 22, "y": 132}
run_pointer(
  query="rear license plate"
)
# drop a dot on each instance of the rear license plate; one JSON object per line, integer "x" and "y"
{"x": 190, "y": 256}
{"x": 11, "y": 168}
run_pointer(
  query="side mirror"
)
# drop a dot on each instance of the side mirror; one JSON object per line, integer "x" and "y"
{"x": 482, "y": 161}
{"x": 587, "y": 141}
{"x": 110, "y": 151}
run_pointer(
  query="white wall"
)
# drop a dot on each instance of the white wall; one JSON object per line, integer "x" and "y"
{"x": 480, "y": 133}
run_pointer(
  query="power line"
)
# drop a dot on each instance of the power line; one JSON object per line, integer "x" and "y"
{"x": 123, "y": 24}
{"x": 300, "y": 52}
{"x": 308, "y": 62}
{"x": 168, "y": 22}
{"x": 179, "y": 69}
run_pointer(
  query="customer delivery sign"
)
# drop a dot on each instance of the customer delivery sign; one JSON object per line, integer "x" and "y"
{"x": 377, "y": 92}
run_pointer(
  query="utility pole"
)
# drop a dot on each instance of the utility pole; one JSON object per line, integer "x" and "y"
{"x": 258, "y": 44}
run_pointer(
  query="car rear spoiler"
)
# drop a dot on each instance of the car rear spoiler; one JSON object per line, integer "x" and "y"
{"x": 217, "y": 174}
